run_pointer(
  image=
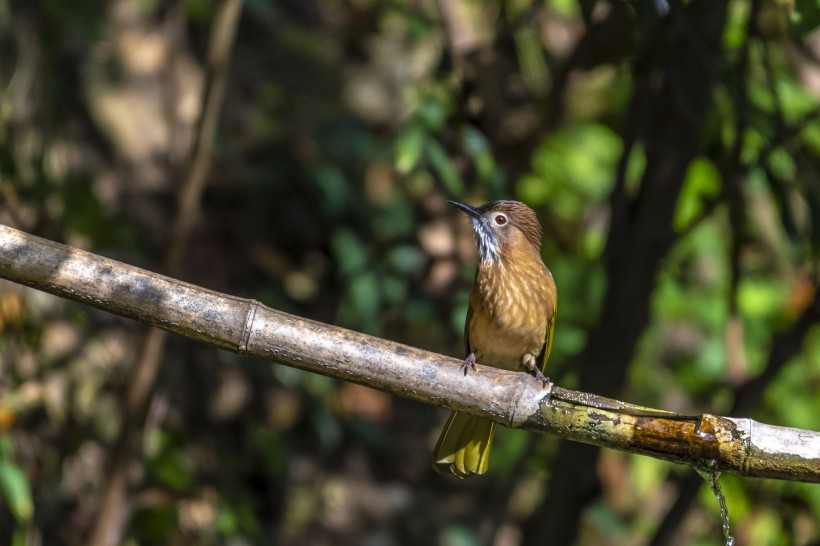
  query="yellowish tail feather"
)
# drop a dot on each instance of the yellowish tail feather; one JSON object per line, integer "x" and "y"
{"x": 463, "y": 449}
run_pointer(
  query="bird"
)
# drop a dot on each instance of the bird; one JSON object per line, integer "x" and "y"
{"x": 510, "y": 321}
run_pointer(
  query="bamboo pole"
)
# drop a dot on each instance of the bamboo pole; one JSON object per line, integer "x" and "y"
{"x": 246, "y": 327}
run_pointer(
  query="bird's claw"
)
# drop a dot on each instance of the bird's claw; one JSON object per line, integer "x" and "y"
{"x": 539, "y": 376}
{"x": 468, "y": 363}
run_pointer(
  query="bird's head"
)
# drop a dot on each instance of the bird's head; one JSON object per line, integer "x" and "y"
{"x": 500, "y": 225}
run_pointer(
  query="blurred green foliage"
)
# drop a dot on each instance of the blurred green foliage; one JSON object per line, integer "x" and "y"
{"x": 14, "y": 486}
{"x": 346, "y": 128}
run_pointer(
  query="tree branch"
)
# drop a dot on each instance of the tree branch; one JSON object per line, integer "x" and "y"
{"x": 246, "y": 327}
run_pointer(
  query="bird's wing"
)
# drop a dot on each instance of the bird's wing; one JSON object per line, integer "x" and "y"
{"x": 545, "y": 352}
{"x": 467, "y": 347}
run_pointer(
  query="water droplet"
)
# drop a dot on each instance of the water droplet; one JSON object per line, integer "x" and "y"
{"x": 712, "y": 479}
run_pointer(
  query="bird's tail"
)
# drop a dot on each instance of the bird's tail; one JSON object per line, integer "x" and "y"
{"x": 463, "y": 449}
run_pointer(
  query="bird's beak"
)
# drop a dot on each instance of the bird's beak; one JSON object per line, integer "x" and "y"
{"x": 472, "y": 211}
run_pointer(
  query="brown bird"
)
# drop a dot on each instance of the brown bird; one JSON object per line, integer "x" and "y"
{"x": 509, "y": 323}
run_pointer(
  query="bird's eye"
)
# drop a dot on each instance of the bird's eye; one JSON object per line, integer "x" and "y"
{"x": 500, "y": 219}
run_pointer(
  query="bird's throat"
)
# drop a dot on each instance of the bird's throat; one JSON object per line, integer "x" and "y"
{"x": 487, "y": 242}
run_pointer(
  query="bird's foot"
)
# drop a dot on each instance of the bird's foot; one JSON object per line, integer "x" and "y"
{"x": 468, "y": 363}
{"x": 528, "y": 362}
{"x": 539, "y": 376}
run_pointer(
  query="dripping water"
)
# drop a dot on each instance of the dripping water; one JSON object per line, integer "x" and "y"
{"x": 712, "y": 479}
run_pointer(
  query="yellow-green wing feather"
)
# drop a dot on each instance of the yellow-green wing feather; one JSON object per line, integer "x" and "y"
{"x": 463, "y": 449}
{"x": 545, "y": 352}
{"x": 467, "y": 348}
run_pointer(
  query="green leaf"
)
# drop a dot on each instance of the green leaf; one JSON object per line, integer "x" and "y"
{"x": 703, "y": 180}
{"x": 409, "y": 147}
{"x": 564, "y": 8}
{"x": 6, "y": 447}
{"x": 364, "y": 291}
{"x": 810, "y": 138}
{"x": 407, "y": 259}
{"x": 349, "y": 251}
{"x": 734, "y": 33}
{"x": 334, "y": 187}
{"x": 456, "y": 535}
{"x": 479, "y": 151}
{"x": 433, "y": 112}
{"x": 783, "y": 164}
{"x": 795, "y": 100}
{"x": 171, "y": 469}
{"x": 15, "y": 490}
{"x": 444, "y": 168}
{"x": 531, "y": 60}
{"x": 760, "y": 297}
